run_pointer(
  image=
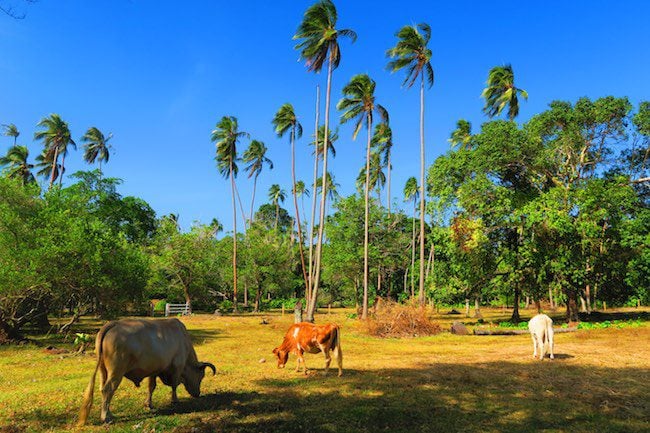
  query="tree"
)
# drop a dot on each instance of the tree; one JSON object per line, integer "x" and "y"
{"x": 412, "y": 193}
{"x": 17, "y": 165}
{"x": 285, "y": 120}
{"x": 56, "y": 136}
{"x": 318, "y": 44}
{"x": 255, "y": 157}
{"x": 225, "y": 136}
{"x": 501, "y": 91}
{"x": 10, "y": 130}
{"x": 96, "y": 147}
{"x": 358, "y": 104}
{"x": 277, "y": 195}
{"x": 411, "y": 52}
{"x": 382, "y": 141}
{"x": 462, "y": 135}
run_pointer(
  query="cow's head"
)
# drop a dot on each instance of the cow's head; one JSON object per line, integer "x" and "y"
{"x": 282, "y": 355}
{"x": 193, "y": 375}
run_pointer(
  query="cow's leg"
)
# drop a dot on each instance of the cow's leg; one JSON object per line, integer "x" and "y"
{"x": 108, "y": 390}
{"x": 541, "y": 346}
{"x": 176, "y": 380}
{"x": 328, "y": 357}
{"x": 339, "y": 359}
{"x": 301, "y": 359}
{"x": 152, "y": 386}
{"x": 550, "y": 342}
{"x": 532, "y": 335}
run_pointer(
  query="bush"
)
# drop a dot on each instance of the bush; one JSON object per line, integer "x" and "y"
{"x": 391, "y": 319}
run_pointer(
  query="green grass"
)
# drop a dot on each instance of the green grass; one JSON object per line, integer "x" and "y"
{"x": 598, "y": 382}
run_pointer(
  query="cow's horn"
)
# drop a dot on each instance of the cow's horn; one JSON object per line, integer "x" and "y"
{"x": 208, "y": 364}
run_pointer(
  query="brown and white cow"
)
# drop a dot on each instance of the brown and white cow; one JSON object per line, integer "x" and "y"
{"x": 308, "y": 337}
{"x": 141, "y": 348}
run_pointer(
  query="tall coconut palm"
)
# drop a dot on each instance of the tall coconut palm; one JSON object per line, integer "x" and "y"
{"x": 96, "y": 147}
{"x": 412, "y": 53}
{"x": 255, "y": 157}
{"x": 462, "y": 135}
{"x": 10, "y": 130}
{"x": 411, "y": 193}
{"x": 285, "y": 120}
{"x": 277, "y": 195}
{"x": 301, "y": 190}
{"x": 358, "y": 104}
{"x": 501, "y": 91}
{"x": 225, "y": 136}
{"x": 56, "y": 136}
{"x": 16, "y": 164}
{"x": 377, "y": 176}
{"x": 382, "y": 141}
{"x": 318, "y": 43}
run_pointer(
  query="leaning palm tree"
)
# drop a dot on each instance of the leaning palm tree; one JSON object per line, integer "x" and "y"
{"x": 285, "y": 120}
{"x": 411, "y": 193}
{"x": 358, "y": 104}
{"x": 56, "y": 136}
{"x": 16, "y": 164}
{"x": 10, "y": 130}
{"x": 318, "y": 43}
{"x": 255, "y": 157}
{"x": 96, "y": 147}
{"x": 501, "y": 91}
{"x": 277, "y": 195}
{"x": 225, "y": 136}
{"x": 382, "y": 141}
{"x": 412, "y": 53}
{"x": 462, "y": 135}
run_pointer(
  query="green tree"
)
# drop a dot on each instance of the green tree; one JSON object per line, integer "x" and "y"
{"x": 412, "y": 53}
{"x": 96, "y": 147}
{"x": 285, "y": 120}
{"x": 11, "y": 130}
{"x": 255, "y": 157}
{"x": 17, "y": 165}
{"x": 318, "y": 43}
{"x": 501, "y": 92}
{"x": 225, "y": 136}
{"x": 462, "y": 135}
{"x": 56, "y": 137}
{"x": 382, "y": 142}
{"x": 277, "y": 195}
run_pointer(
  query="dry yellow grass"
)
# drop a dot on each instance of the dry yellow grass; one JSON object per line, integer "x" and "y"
{"x": 599, "y": 382}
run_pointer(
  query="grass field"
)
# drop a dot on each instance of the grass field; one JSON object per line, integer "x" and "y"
{"x": 599, "y": 382}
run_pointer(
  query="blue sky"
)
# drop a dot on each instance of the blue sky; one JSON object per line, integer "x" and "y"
{"x": 159, "y": 75}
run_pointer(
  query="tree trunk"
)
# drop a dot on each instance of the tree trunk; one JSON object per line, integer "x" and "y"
{"x": 364, "y": 307}
{"x": 550, "y": 298}
{"x": 313, "y": 204}
{"x": 422, "y": 197}
{"x": 258, "y": 299}
{"x": 321, "y": 227}
{"x": 295, "y": 203}
{"x": 234, "y": 241}
{"x": 388, "y": 199}
{"x": 572, "y": 306}
{"x": 413, "y": 253}
{"x": 477, "y": 309}
{"x": 253, "y": 199}
{"x": 56, "y": 157}
{"x": 515, "y": 318}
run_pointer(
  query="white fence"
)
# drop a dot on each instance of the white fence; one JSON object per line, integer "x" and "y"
{"x": 174, "y": 309}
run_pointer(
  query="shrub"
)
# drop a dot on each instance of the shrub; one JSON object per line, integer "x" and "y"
{"x": 391, "y": 319}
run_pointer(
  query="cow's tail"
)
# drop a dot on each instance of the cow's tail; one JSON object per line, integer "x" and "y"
{"x": 336, "y": 344}
{"x": 90, "y": 389}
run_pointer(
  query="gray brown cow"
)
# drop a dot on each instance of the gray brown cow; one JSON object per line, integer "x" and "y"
{"x": 140, "y": 348}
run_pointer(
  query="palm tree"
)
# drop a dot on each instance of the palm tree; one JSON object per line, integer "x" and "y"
{"x": 411, "y": 52}
{"x": 11, "y": 130}
{"x": 56, "y": 137}
{"x": 96, "y": 147}
{"x": 277, "y": 195}
{"x": 255, "y": 157}
{"x": 215, "y": 227}
{"x": 301, "y": 190}
{"x": 462, "y": 135}
{"x": 382, "y": 140}
{"x": 225, "y": 136}
{"x": 318, "y": 43}
{"x": 17, "y": 165}
{"x": 358, "y": 104}
{"x": 411, "y": 193}
{"x": 501, "y": 91}
{"x": 285, "y": 120}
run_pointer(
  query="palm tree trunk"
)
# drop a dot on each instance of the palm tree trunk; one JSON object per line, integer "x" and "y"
{"x": 62, "y": 170}
{"x": 295, "y": 204}
{"x": 234, "y": 241}
{"x": 413, "y": 252}
{"x": 323, "y": 203}
{"x": 422, "y": 198}
{"x": 54, "y": 162}
{"x": 364, "y": 307}
{"x": 313, "y": 204}
{"x": 253, "y": 199}
{"x": 241, "y": 206}
{"x": 388, "y": 182}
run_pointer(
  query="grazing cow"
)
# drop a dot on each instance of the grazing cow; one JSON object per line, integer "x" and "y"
{"x": 541, "y": 331}
{"x": 139, "y": 348}
{"x": 307, "y": 337}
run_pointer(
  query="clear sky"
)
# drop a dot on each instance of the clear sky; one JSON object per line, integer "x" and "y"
{"x": 159, "y": 74}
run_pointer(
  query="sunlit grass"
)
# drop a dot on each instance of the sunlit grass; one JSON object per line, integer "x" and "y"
{"x": 599, "y": 382}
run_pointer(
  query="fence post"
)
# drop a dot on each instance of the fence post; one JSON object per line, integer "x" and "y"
{"x": 167, "y": 310}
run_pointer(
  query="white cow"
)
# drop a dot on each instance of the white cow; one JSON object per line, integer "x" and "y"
{"x": 541, "y": 331}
